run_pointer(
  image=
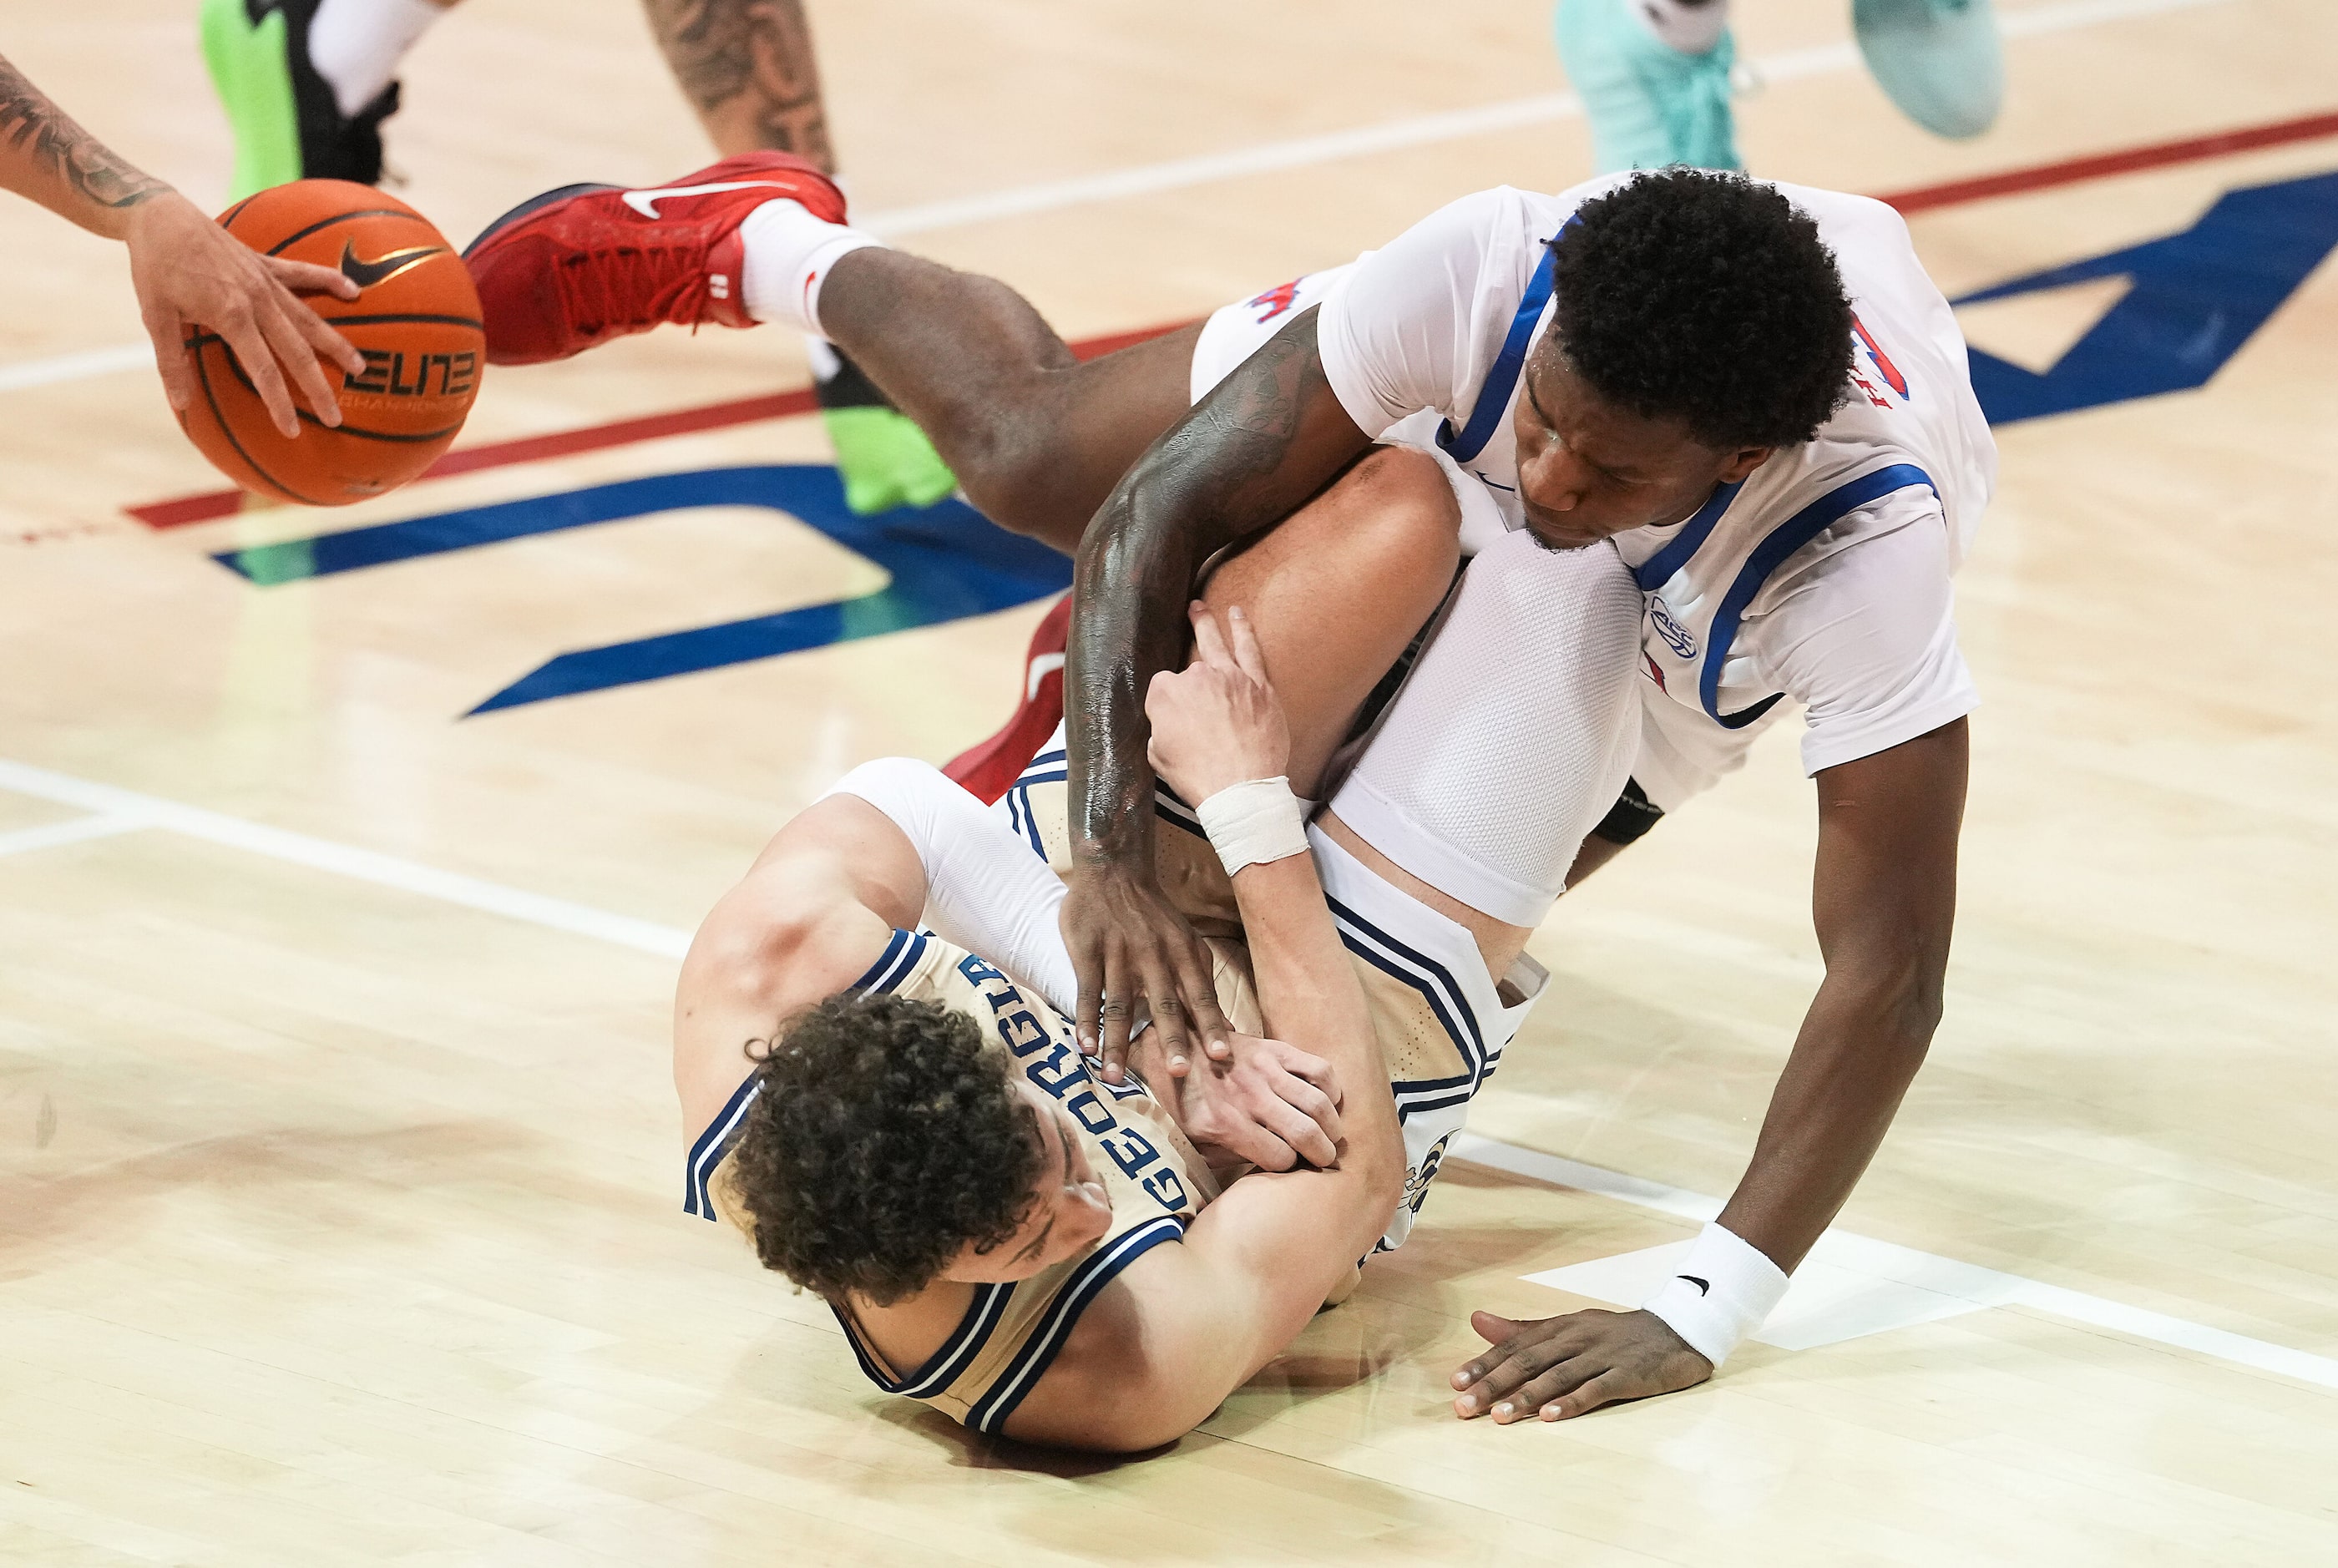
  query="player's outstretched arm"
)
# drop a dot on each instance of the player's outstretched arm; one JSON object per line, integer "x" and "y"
{"x": 1263, "y": 441}
{"x": 1884, "y": 903}
{"x": 1258, "y": 1263}
{"x": 187, "y": 270}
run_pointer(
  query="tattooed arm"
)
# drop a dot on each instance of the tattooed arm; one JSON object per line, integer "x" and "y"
{"x": 747, "y": 67}
{"x": 186, "y": 268}
{"x": 1251, "y": 453}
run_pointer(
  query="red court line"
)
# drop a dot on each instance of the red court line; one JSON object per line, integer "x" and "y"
{"x": 212, "y": 504}
{"x": 2102, "y": 165}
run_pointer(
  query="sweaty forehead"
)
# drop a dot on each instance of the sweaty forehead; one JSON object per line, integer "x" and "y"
{"x": 1603, "y": 430}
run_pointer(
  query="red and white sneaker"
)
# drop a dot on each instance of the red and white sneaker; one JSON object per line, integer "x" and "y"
{"x": 585, "y": 263}
{"x": 989, "y": 770}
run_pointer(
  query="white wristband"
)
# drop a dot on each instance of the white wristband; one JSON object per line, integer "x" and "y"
{"x": 1254, "y": 822}
{"x": 1719, "y": 1294}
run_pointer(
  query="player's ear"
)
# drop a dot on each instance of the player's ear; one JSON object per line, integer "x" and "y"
{"x": 1743, "y": 462}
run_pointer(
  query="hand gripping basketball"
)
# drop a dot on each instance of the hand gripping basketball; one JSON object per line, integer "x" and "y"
{"x": 407, "y": 313}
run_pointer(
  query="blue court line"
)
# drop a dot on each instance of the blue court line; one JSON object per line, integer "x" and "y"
{"x": 945, "y": 562}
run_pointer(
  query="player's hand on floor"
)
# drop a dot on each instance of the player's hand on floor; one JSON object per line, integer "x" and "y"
{"x": 1217, "y": 722}
{"x": 1555, "y": 1367}
{"x": 1129, "y": 945}
{"x": 1270, "y": 1104}
{"x": 189, "y": 272}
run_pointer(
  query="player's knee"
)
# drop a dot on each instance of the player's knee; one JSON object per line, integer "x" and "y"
{"x": 1012, "y": 474}
{"x": 1399, "y": 512}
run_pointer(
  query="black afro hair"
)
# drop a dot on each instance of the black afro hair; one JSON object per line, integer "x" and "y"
{"x": 1705, "y": 299}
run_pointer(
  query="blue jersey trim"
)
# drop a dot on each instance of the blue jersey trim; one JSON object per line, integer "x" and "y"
{"x": 1423, "y": 973}
{"x": 1657, "y": 569}
{"x": 1502, "y": 377}
{"x": 901, "y": 955}
{"x": 1770, "y": 555}
{"x": 1023, "y": 1374}
{"x": 902, "y": 951}
{"x": 943, "y": 1367}
{"x": 711, "y": 1145}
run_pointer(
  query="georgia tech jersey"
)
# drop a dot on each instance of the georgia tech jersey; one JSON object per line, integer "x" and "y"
{"x": 1011, "y": 1332}
{"x": 1441, "y": 1022}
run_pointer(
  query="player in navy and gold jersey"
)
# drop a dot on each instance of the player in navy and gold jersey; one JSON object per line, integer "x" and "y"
{"x": 919, "y": 1139}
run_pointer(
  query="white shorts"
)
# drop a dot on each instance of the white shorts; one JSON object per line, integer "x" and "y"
{"x": 1441, "y": 1022}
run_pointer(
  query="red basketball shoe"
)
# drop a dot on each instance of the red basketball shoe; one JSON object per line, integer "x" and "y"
{"x": 989, "y": 770}
{"x": 585, "y": 263}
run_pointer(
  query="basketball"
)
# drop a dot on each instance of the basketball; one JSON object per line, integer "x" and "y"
{"x": 416, "y": 320}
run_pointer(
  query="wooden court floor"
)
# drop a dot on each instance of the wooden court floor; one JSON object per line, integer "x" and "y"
{"x": 338, "y": 1168}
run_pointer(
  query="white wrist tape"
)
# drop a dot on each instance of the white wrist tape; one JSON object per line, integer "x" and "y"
{"x": 1719, "y": 1294}
{"x": 1254, "y": 822}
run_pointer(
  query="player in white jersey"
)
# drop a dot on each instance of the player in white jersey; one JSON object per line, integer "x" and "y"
{"x": 1750, "y": 392}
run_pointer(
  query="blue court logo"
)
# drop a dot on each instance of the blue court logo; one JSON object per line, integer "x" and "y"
{"x": 2194, "y": 299}
{"x": 945, "y": 563}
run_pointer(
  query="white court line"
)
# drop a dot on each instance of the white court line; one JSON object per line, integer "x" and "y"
{"x": 1889, "y": 1263}
{"x": 29, "y": 373}
{"x": 1883, "y": 1260}
{"x": 1269, "y": 157}
{"x": 73, "y": 830}
{"x": 344, "y": 860}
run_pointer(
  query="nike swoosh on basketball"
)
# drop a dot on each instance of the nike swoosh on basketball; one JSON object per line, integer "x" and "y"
{"x": 645, "y": 201}
{"x": 383, "y": 268}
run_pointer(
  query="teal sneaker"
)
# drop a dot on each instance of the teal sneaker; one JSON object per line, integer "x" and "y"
{"x": 1649, "y": 104}
{"x": 1939, "y": 59}
{"x": 286, "y": 124}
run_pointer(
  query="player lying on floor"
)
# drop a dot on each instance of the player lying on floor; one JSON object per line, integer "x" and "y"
{"x": 1017, "y": 1336}
{"x": 920, "y": 1141}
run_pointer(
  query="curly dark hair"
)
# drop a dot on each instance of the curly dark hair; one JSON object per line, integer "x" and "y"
{"x": 885, "y": 1138}
{"x": 1707, "y": 299}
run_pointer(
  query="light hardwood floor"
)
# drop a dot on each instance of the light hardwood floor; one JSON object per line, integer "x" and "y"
{"x": 339, "y": 1216}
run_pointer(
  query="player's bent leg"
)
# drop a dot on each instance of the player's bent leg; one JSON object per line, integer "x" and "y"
{"x": 1339, "y": 590}
{"x": 1036, "y": 437}
{"x": 1512, "y": 735}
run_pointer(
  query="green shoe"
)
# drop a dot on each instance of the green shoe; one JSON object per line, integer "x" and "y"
{"x": 1649, "y": 104}
{"x": 1939, "y": 59}
{"x": 885, "y": 459}
{"x": 286, "y": 124}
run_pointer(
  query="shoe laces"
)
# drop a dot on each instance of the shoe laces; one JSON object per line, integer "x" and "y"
{"x": 633, "y": 287}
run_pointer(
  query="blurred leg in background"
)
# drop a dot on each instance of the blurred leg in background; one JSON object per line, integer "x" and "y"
{"x": 1655, "y": 74}
{"x": 306, "y": 84}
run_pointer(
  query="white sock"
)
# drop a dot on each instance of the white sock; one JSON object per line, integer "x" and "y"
{"x": 789, "y": 253}
{"x": 355, "y": 44}
{"x": 1690, "y": 26}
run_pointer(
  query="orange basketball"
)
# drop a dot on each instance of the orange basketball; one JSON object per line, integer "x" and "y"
{"x": 416, "y": 318}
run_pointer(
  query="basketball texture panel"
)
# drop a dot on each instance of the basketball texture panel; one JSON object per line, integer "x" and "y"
{"x": 416, "y": 320}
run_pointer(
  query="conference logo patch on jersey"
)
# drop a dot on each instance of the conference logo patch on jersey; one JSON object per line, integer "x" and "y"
{"x": 1277, "y": 301}
{"x": 1674, "y": 635}
{"x": 1883, "y": 368}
